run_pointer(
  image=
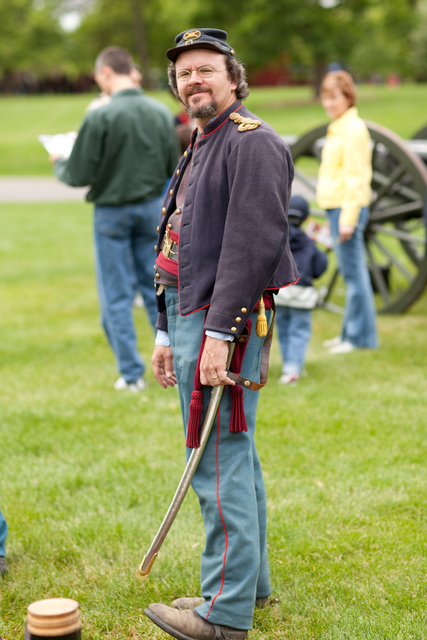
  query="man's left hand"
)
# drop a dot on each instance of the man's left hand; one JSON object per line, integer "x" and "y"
{"x": 214, "y": 363}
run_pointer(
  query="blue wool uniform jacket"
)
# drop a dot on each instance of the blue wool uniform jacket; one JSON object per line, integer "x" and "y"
{"x": 233, "y": 241}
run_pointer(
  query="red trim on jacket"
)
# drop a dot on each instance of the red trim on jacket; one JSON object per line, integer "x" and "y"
{"x": 205, "y": 135}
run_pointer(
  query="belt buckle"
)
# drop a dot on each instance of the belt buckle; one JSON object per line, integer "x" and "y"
{"x": 167, "y": 244}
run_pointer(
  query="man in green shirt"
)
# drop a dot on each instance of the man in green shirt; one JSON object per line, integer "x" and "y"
{"x": 125, "y": 151}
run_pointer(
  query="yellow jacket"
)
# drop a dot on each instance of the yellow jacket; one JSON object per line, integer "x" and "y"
{"x": 345, "y": 170}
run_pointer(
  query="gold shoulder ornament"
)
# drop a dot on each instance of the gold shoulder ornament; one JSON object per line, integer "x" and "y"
{"x": 245, "y": 124}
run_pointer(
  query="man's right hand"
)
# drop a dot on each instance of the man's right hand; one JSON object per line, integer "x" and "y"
{"x": 162, "y": 361}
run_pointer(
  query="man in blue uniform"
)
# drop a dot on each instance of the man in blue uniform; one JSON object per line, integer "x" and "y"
{"x": 223, "y": 244}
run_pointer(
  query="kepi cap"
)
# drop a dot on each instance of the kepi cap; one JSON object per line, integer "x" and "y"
{"x": 215, "y": 39}
{"x": 298, "y": 210}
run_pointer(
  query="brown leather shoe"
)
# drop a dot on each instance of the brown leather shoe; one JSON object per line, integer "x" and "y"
{"x": 192, "y": 603}
{"x": 188, "y": 625}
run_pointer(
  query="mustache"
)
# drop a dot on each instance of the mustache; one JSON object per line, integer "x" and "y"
{"x": 194, "y": 90}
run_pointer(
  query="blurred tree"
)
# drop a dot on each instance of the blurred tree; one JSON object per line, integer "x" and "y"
{"x": 145, "y": 27}
{"x": 311, "y": 31}
{"x": 31, "y": 39}
{"x": 367, "y": 35}
{"x": 386, "y": 44}
{"x": 418, "y": 43}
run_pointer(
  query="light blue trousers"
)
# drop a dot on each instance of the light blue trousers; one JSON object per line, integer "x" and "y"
{"x": 228, "y": 483}
{"x": 294, "y": 333}
{"x": 3, "y": 535}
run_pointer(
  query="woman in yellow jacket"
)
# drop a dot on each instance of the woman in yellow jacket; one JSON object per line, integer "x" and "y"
{"x": 344, "y": 190}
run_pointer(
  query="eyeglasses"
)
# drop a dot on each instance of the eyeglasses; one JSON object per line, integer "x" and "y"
{"x": 203, "y": 72}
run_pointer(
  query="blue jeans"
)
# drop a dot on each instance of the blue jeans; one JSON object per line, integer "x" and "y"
{"x": 294, "y": 332}
{"x": 359, "y": 323}
{"x": 228, "y": 483}
{"x": 3, "y": 535}
{"x": 124, "y": 243}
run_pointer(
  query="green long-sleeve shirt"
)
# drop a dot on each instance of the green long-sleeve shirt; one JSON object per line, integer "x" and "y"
{"x": 126, "y": 150}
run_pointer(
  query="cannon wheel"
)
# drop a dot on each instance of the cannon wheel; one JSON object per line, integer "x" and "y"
{"x": 395, "y": 238}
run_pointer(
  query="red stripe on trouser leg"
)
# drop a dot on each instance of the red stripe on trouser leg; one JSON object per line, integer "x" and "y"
{"x": 220, "y": 513}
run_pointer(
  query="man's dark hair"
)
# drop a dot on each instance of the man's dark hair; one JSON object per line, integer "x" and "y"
{"x": 117, "y": 58}
{"x": 236, "y": 72}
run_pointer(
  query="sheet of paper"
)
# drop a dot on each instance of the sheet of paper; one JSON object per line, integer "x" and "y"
{"x": 61, "y": 143}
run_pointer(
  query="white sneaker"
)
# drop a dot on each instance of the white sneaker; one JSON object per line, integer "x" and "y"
{"x": 138, "y": 301}
{"x": 333, "y": 342}
{"x": 342, "y": 347}
{"x": 135, "y": 387}
{"x": 289, "y": 378}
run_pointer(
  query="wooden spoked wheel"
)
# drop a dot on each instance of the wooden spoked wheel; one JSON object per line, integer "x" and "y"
{"x": 396, "y": 235}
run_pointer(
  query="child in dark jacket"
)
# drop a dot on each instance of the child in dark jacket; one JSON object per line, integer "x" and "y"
{"x": 295, "y": 303}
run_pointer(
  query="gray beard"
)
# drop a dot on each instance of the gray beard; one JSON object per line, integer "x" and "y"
{"x": 207, "y": 111}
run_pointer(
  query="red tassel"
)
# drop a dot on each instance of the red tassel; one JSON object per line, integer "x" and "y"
{"x": 238, "y": 419}
{"x": 196, "y": 410}
{"x": 196, "y": 405}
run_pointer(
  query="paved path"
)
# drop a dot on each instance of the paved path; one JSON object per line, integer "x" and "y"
{"x": 45, "y": 189}
{"x": 38, "y": 189}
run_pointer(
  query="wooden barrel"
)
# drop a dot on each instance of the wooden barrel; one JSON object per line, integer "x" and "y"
{"x": 53, "y": 618}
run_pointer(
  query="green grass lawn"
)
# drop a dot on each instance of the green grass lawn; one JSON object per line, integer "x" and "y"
{"x": 87, "y": 473}
{"x": 291, "y": 110}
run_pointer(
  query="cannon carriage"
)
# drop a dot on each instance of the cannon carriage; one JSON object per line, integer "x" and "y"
{"x": 396, "y": 235}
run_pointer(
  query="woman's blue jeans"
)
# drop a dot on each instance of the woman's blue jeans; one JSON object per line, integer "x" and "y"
{"x": 228, "y": 482}
{"x": 124, "y": 243}
{"x": 294, "y": 332}
{"x": 359, "y": 323}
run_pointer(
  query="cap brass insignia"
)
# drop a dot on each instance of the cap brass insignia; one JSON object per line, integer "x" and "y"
{"x": 191, "y": 35}
{"x": 245, "y": 124}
